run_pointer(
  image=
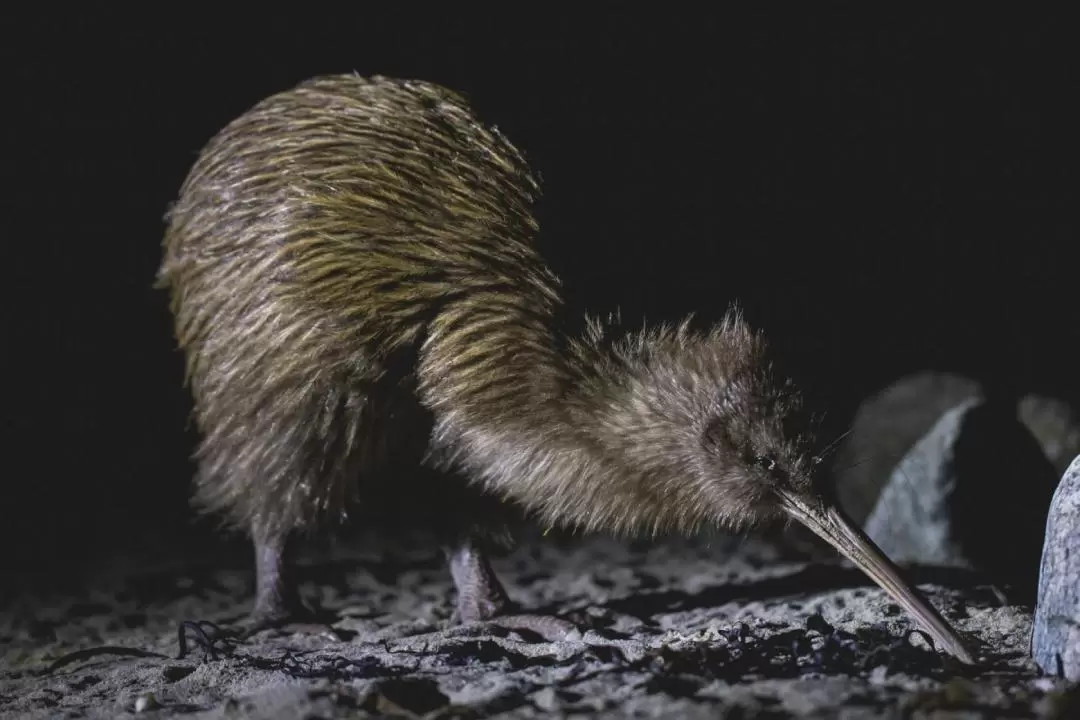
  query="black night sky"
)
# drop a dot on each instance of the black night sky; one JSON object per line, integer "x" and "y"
{"x": 884, "y": 192}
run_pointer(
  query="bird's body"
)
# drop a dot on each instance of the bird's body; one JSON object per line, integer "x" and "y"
{"x": 314, "y": 243}
{"x": 353, "y": 270}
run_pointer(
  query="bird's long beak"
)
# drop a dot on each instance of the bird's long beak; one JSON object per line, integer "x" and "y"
{"x": 830, "y": 523}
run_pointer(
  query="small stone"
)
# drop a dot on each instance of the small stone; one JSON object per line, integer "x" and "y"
{"x": 1055, "y": 633}
{"x": 972, "y": 493}
{"x": 546, "y": 700}
{"x": 145, "y": 701}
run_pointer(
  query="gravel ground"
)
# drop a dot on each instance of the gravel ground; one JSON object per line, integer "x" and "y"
{"x": 715, "y": 627}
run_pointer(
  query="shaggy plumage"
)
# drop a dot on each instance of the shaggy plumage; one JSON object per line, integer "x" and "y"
{"x": 354, "y": 280}
{"x": 353, "y": 258}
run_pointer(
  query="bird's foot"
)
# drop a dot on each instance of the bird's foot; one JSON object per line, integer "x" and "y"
{"x": 494, "y": 609}
{"x": 483, "y": 600}
{"x": 548, "y": 627}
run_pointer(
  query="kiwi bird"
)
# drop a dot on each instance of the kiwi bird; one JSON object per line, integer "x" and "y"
{"x": 353, "y": 260}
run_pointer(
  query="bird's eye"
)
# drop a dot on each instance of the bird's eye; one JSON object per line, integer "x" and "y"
{"x": 765, "y": 462}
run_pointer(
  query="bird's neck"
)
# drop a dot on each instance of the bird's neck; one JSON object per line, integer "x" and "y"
{"x": 492, "y": 373}
{"x": 544, "y": 421}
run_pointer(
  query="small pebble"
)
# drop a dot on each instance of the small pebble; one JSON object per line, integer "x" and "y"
{"x": 546, "y": 700}
{"x": 145, "y": 701}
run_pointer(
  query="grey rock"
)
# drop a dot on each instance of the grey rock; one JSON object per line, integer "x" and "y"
{"x": 888, "y": 424}
{"x": 973, "y": 492}
{"x": 912, "y": 518}
{"x": 885, "y": 427}
{"x": 1056, "y": 426}
{"x": 1055, "y": 637}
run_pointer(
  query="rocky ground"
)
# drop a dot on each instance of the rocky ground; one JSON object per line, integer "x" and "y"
{"x": 715, "y": 627}
{"x": 719, "y": 627}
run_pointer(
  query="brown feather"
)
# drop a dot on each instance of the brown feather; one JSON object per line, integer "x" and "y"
{"x": 352, "y": 271}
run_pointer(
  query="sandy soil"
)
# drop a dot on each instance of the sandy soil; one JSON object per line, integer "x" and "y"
{"x": 711, "y": 628}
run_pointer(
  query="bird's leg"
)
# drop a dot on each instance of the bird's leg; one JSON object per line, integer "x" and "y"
{"x": 481, "y": 597}
{"x": 277, "y": 602}
{"x": 480, "y": 594}
{"x": 276, "y": 597}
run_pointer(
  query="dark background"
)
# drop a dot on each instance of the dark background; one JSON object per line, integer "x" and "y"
{"x": 883, "y": 191}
